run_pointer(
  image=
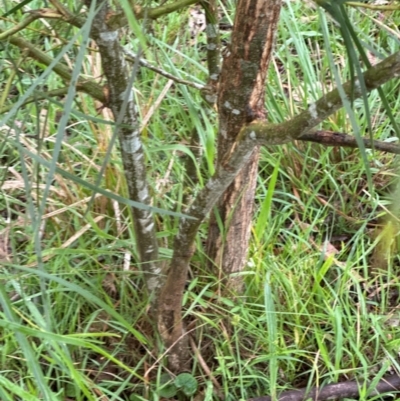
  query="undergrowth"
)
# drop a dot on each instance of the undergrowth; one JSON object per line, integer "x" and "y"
{"x": 322, "y": 279}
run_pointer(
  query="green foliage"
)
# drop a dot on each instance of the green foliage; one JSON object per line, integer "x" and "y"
{"x": 167, "y": 389}
{"x": 73, "y": 321}
{"x": 184, "y": 384}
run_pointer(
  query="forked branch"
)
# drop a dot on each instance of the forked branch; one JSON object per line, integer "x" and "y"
{"x": 256, "y": 133}
{"x": 278, "y": 134}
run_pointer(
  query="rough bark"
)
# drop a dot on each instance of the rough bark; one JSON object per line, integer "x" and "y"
{"x": 121, "y": 102}
{"x": 279, "y": 134}
{"x": 241, "y": 100}
{"x": 258, "y": 133}
{"x": 170, "y": 324}
{"x": 339, "y": 139}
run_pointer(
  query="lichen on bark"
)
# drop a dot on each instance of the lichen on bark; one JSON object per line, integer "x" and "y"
{"x": 121, "y": 102}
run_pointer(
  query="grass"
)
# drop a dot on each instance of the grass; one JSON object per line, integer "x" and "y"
{"x": 322, "y": 279}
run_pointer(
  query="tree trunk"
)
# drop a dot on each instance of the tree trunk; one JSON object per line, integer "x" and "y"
{"x": 121, "y": 102}
{"x": 240, "y": 101}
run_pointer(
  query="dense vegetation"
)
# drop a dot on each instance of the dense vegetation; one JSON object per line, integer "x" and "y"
{"x": 321, "y": 295}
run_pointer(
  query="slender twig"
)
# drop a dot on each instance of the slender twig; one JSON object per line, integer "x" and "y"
{"x": 118, "y": 20}
{"x": 349, "y": 389}
{"x": 380, "y": 7}
{"x": 64, "y": 14}
{"x": 132, "y": 57}
{"x": 203, "y": 364}
{"x": 157, "y": 12}
{"x": 85, "y": 85}
{"x": 210, "y": 93}
{"x": 67, "y": 15}
{"x": 329, "y": 138}
{"x": 33, "y": 16}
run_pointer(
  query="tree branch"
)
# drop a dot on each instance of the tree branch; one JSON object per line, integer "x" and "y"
{"x": 64, "y": 14}
{"x": 118, "y": 20}
{"x": 349, "y": 389}
{"x": 157, "y": 12}
{"x": 259, "y": 132}
{"x": 130, "y": 56}
{"x": 210, "y": 91}
{"x": 33, "y": 16}
{"x": 85, "y": 85}
{"x": 278, "y": 134}
{"x": 67, "y": 15}
{"x": 329, "y": 138}
{"x": 380, "y": 7}
{"x": 122, "y": 104}
{"x": 170, "y": 323}
{"x": 241, "y": 99}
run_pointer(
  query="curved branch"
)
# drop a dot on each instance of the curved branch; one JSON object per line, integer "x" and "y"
{"x": 33, "y": 16}
{"x": 154, "y": 13}
{"x": 170, "y": 324}
{"x": 329, "y": 138}
{"x": 349, "y": 389}
{"x": 278, "y": 134}
{"x": 259, "y": 132}
{"x": 85, "y": 85}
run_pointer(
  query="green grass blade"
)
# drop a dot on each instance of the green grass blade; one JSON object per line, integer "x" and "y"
{"x": 16, "y": 390}
{"x": 92, "y": 187}
{"x": 347, "y": 105}
{"x": 265, "y": 212}
{"x": 87, "y": 295}
{"x": 272, "y": 329}
{"x": 26, "y": 348}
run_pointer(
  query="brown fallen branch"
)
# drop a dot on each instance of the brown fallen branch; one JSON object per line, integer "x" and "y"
{"x": 329, "y": 138}
{"x": 349, "y": 389}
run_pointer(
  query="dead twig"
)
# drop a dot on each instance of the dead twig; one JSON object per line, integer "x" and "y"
{"x": 329, "y": 138}
{"x": 348, "y": 389}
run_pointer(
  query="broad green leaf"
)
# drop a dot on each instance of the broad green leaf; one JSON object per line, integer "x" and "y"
{"x": 186, "y": 383}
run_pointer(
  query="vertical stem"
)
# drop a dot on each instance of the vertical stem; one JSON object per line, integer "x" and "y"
{"x": 240, "y": 101}
{"x": 121, "y": 102}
